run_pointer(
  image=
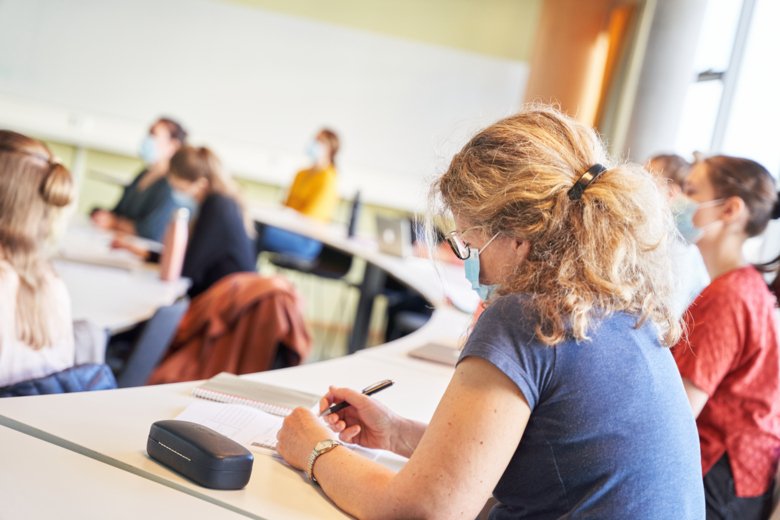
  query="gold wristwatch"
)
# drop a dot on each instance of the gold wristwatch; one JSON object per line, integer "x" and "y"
{"x": 320, "y": 448}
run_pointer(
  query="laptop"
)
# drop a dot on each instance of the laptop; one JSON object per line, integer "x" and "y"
{"x": 394, "y": 235}
{"x": 437, "y": 353}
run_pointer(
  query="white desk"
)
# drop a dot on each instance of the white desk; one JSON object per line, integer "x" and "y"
{"x": 116, "y": 299}
{"x": 42, "y": 480}
{"x": 110, "y": 288}
{"x": 438, "y": 282}
{"x": 113, "y": 426}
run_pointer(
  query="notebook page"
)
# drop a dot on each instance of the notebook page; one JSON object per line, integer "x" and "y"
{"x": 255, "y": 428}
{"x": 245, "y": 425}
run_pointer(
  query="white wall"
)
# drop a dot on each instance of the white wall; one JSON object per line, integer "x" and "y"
{"x": 253, "y": 84}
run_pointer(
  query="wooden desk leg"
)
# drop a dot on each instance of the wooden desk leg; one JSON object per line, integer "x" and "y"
{"x": 370, "y": 287}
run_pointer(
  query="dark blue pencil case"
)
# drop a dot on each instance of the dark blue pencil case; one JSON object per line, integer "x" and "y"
{"x": 199, "y": 453}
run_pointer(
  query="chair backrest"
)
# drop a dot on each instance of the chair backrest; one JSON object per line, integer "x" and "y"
{"x": 331, "y": 263}
{"x": 354, "y": 215}
{"x": 152, "y": 343}
{"x": 79, "y": 378}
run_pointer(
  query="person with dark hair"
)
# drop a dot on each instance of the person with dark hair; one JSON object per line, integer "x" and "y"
{"x": 687, "y": 266}
{"x": 147, "y": 203}
{"x": 729, "y": 357}
{"x": 671, "y": 167}
{"x": 220, "y": 243}
{"x": 313, "y": 193}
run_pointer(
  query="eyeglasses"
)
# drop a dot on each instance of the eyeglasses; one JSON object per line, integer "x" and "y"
{"x": 460, "y": 247}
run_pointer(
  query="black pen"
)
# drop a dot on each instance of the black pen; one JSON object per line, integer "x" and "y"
{"x": 369, "y": 390}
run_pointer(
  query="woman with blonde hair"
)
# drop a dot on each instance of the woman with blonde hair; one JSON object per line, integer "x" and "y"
{"x": 220, "y": 242}
{"x": 36, "y": 332}
{"x": 565, "y": 402}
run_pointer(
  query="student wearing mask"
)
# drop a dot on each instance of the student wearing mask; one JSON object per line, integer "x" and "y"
{"x": 687, "y": 266}
{"x": 220, "y": 242}
{"x": 36, "y": 332}
{"x": 313, "y": 193}
{"x": 565, "y": 402}
{"x": 729, "y": 357}
{"x": 148, "y": 202}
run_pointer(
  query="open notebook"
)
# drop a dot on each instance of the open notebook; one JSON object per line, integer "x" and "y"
{"x": 229, "y": 388}
{"x": 256, "y": 429}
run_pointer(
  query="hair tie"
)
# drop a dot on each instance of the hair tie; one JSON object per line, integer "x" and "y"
{"x": 593, "y": 173}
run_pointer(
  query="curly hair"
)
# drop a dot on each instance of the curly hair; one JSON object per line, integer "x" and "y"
{"x": 603, "y": 253}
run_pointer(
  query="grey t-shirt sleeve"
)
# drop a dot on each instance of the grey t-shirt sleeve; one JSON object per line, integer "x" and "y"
{"x": 504, "y": 337}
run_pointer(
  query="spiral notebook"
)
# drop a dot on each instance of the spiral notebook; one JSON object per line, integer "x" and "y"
{"x": 229, "y": 388}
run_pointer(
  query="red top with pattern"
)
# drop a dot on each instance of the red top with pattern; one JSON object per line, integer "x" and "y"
{"x": 731, "y": 353}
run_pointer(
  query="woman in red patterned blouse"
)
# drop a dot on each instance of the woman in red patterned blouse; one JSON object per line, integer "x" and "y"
{"x": 729, "y": 359}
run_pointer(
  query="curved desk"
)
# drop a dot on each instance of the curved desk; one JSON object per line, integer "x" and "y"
{"x": 112, "y": 426}
{"x": 442, "y": 284}
{"x": 110, "y": 288}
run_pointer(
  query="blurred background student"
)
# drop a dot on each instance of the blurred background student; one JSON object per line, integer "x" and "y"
{"x": 313, "y": 193}
{"x": 729, "y": 358}
{"x": 220, "y": 243}
{"x": 148, "y": 202}
{"x": 687, "y": 266}
{"x": 36, "y": 333}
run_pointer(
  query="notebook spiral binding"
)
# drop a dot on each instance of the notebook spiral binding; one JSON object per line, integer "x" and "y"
{"x": 221, "y": 397}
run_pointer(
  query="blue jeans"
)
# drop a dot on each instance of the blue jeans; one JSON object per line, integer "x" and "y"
{"x": 280, "y": 241}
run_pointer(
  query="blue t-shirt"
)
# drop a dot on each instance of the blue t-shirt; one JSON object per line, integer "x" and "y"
{"x": 611, "y": 434}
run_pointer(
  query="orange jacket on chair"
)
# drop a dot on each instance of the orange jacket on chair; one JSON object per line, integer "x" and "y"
{"x": 237, "y": 326}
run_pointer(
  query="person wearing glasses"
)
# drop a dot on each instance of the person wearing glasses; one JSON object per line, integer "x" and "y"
{"x": 566, "y": 401}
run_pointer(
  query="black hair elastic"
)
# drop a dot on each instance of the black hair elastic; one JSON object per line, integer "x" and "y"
{"x": 575, "y": 192}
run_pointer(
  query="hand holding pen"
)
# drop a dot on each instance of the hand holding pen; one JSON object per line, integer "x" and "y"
{"x": 361, "y": 420}
{"x": 369, "y": 390}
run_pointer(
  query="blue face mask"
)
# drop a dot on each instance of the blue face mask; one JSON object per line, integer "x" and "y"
{"x": 316, "y": 151}
{"x": 471, "y": 266}
{"x": 684, "y": 210}
{"x": 148, "y": 151}
{"x": 185, "y": 200}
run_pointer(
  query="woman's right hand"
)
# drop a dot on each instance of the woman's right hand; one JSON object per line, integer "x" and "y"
{"x": 366, "y": 421}
{"x": 103, "y": 219}
{"x": 122, "y": 242}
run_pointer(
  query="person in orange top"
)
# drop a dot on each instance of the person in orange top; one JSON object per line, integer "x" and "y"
{"x": 313, "y": 193}
{"x": 729, "y": 358}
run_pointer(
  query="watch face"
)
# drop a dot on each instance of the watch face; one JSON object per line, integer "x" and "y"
{"x": 322, "y": 445}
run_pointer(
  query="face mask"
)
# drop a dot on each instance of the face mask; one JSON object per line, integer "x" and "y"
{"x": 184, "y": 200}
{"x": 148, "y": 151}
{"x": 315, "y": 151}
{"x": 684, "y": 209}
{"x": 471, "y": 265}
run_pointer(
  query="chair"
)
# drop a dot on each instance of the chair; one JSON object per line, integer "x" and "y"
{"x": 150, "y": 345}
{"x": 244, "y": 323}
{"x": 330, "y": 263}
{"x": 79, "y": 378}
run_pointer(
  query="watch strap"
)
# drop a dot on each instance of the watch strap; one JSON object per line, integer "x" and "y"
{"x": 318, "y": 451}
